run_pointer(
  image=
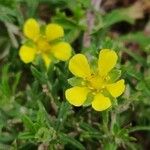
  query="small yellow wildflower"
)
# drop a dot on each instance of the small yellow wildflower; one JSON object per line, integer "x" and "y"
{"x": 43, "y": 42}
{"x": 96, "y": 82}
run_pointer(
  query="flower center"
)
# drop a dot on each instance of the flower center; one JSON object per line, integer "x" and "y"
{"x": 96, "y": 82}
{"x": 43, "y": 45}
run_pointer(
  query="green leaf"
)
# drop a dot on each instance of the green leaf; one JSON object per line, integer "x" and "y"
{"x": 64, "y": 111}
{"x": 32, "y": 7}
{"x": 142, "y": 86}
{"x": 8, "y": 3}
{"x": 131, "y": 71}
{"x": 42, "y": 117}
{"x": 116, "y": 128}
{"x": 110, "y": 146}
{"x": 136, "y": 57}
{"x": 62, "y": 19}
{"x": 72, "y": 35}
{"x": 39, "y": 75}
{"x": 75, "y": 81}
{"x": 89, "y": 100}
{"x": 4, "y": 87}
{"x": 16, "y": 82}
{"x": 7, "y": 14}
{"x": 113, "y": 17}
{"x": 116, "y": 16}
{"x": 26, "y": 135}
{"x": 139, "y": 128}
{"x": 28, "y": 123}
{"x": 70, "y": 140}
{"x": 89, "y": 135}
{"x": 138, "y": 37}
{"x": 87, "y": 127}
{"x": 114, "y": 75}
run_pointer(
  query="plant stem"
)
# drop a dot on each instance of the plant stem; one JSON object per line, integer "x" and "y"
{"x": 105, "y": 116}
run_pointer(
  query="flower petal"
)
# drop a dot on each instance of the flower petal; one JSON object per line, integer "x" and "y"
{"x": 62, "y": 50}
{"x": 31, "y": 29}
{"x": 101, "y": 102}
{"x": 79, "y": 66}
{"x": 47, "y": 60}
{"x": 107, "y": 61}
{"x": 27, "y": 54}
{"x": 116, "y": 89}
{"x": 54, "y": 31}
{"x": 76, "y": 95}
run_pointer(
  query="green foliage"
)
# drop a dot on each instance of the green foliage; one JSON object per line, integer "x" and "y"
{"x": 34, "y": 113}
{"x": 138, "y": 37}
{"x": 7, "y": 93}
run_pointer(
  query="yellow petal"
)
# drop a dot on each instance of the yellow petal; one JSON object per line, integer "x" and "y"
{"x": 76, "y": 95}
{"x": 62, "y": 50}
{"x": 54, "y": 31}
{"x": 79, "y": 66}
{"x": 107, "y": 61}
{"x": 101, "y": 102}
{"x": 116, "y": 89}
{"x": 27, "y": 54}
{"x": 47, "y": 60}
{"x": 31, "y": 29}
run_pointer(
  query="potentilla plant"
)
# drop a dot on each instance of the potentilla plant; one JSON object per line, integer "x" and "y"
{"x": 96, "y": 84}
{"x": 54, "y": 98}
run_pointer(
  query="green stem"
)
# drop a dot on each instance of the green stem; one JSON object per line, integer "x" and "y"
{"x": 113, "y": 120}
{"x": 53, "y": 104}
{"x": 105, "y": 120}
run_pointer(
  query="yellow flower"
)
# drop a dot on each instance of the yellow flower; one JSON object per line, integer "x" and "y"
{"x": 96, "y": 82}
{"x": 43, "y": 42}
